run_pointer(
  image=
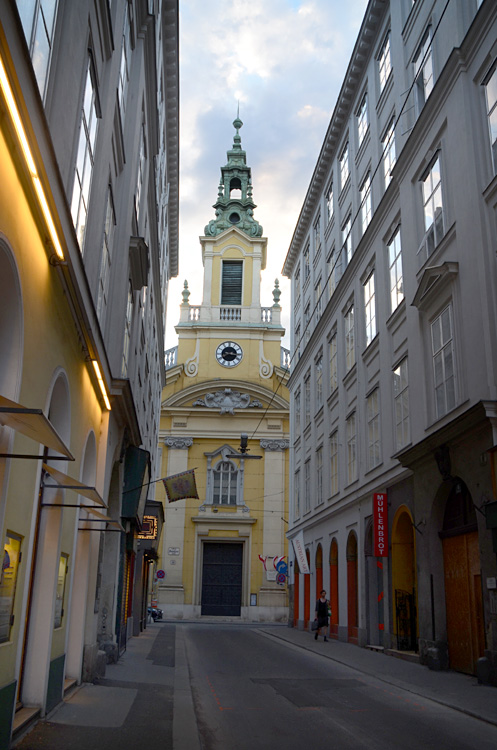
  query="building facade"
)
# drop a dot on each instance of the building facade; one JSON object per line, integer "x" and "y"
{"x": 88, "y": 242}
{"x": 225, "y": 553}
{"x": 393, "y": 390}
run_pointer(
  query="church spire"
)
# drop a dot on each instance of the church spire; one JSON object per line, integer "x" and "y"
{"x": 234, "y": 205}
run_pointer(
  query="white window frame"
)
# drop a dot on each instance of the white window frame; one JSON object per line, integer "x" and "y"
{"x": 296, "y": 510}
{"x": 351, "y": 433}
{"x": 388, "y": 150}
{"x": 317, "y": 235}
{"x": 39, "y": 30}
{"x": 307, "y": 263}
{"x": 106, "y": 257}
{"x": 334, "y": 463}
{"x": 344, "y": 166}
{"x": 374, "y": 434}
{"x": 333, "y": 362}
{"x": 319, "y": 381}
{"x": 443, "y": 356}
{"x": 394, "y": 250}
{"x": 366, "y": 202}
{"x": 319, "y": 475}
{"x": 128, "y": 322}
{"x": 423, "y": 71}
{"x": 370, "y": 308}
{"x": 401, "y": 404}
{"x": 307, "y": 486}
{"x": 385, "y": 61}
{"x": 223, "y": 468}
{"x": 85, "y": 155}
{"x": 362, "y": 119}
{"x": 329, "y": 201}
{"x": 349, "y": 338}
{"x": 297, "y": 405}
{"x": 433, "y": 209}
{"x": 347, "y": 240}
{"x": 490, "y": 85}
{"x": 307, "y": 399}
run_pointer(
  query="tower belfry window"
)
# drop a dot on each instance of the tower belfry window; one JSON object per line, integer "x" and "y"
{"x": 235, "y": 188}
{"x": 231, "y": 282}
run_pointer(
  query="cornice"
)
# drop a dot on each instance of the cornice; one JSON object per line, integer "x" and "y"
{"x": 338, "y": 123}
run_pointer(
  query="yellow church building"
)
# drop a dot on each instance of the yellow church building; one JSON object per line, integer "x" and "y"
{"x": 225, "y": 414}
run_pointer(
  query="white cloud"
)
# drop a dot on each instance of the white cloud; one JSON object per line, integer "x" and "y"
{"x": 284, "y": 61}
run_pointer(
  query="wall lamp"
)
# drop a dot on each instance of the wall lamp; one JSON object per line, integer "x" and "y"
{"x": 28, "y": 158}
{"x": 101, "y": 383}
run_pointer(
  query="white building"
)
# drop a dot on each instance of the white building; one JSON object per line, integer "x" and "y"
{"x": 394, "y": 375}
{"x": 88, "y": 242}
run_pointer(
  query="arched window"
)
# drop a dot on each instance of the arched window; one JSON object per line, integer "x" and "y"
{"x": 225, "y": 483}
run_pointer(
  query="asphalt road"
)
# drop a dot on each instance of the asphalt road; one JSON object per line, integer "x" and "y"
{"x": 253, "y": 692}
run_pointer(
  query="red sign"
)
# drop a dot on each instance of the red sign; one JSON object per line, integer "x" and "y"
{"x": 380, "y": 524}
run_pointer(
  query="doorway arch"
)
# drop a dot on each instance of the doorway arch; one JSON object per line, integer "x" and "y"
{"x": 462, "y": 578}
{"x": 334, "y": 619}
{"x": 352, "y": 589}
{"x": 404, "y": 583}
{"x": 319, "y": 571}
{"x": 307, "y": 593}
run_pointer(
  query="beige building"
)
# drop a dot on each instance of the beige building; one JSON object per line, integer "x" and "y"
{"x": 225, "y": 554}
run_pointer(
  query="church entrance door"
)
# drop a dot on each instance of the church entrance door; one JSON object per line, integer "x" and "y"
{"x": 222, "y": 579}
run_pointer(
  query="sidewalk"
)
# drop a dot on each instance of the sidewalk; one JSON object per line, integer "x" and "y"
{"x": 453, "y": 689}
{"x": 145, "y": 699}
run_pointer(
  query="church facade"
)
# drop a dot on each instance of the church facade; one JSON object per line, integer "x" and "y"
{"x": 225, "y": 414}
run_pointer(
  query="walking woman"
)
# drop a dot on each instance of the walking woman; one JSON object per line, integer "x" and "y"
{"x": 321, "y": 615}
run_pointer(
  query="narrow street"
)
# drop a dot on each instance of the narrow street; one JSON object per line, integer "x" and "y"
{"x": 207, "y": 686}
{"x": 253, "y": 691}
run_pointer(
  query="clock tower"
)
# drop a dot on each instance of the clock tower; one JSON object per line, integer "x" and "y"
{"x": 225, "y": 553}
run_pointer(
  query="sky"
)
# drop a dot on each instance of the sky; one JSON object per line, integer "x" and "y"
{"x": 283, "y": 62}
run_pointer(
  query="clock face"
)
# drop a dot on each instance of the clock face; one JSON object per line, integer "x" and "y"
{"x": 229, "y": 354}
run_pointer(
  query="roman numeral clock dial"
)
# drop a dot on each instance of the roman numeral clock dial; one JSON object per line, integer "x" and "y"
{"x": 229, "y": 354}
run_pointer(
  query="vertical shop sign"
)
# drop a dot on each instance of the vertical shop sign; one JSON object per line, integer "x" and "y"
{"x": 380, "y": 524}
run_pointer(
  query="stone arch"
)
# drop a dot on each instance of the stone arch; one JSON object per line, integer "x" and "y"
{"x": 11, "y": 349}
{"x": 334, "y": 589}
{"x": 404, "y": 580}
{"x": 307, "y": 592}
{"x": 319, "y": 570}
{"x": 43, "y": 672}
{"x": 87, "y": 545}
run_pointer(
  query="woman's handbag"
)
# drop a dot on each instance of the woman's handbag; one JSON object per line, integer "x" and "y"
{"x": 314, "y": 625}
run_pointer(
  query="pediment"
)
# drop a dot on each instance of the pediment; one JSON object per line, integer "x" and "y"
{"x": 213, "y": 395}
{"x": 433, "y": 280}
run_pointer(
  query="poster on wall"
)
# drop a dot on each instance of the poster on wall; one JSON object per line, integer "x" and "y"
{"x": 380, "y": 524}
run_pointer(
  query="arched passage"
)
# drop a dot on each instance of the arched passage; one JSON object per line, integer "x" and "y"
{"x": 85, "y": 543}
{"x": 42, "y": 676}
{"x": 462, "y": 575}
{"x": 352, "y": 589}
{"x": 307, "y": 593}
{"x": 334, "y": 619}
{"x": 404, "y": 588}
{"x": 319, "y": 571}
{"x": 374, "y": 590}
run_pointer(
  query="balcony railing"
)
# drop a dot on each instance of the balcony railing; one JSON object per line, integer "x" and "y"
{"x": 285, "y": 358}
{"x": 171, "y": 357}
{"x": 266, "y": 314}
{"x": 230, "y": 313}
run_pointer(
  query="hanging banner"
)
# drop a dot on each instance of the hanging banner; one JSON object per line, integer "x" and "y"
{"x": 181, "y": 486}
{"x": 380, "y": 524}
{"x": 299, "y": 547}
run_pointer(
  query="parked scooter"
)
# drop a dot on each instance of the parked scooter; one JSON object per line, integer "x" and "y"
{"x": 155, "y": 613}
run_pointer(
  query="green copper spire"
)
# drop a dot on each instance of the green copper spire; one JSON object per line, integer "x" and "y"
{"x": 234, "y": 205}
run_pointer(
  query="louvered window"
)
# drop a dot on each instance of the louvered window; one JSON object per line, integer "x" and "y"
{"x": 231, "y": 288}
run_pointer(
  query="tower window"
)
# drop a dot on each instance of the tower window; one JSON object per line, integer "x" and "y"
{"x": 231, "y": 283}
{"x": 235, "y": 188}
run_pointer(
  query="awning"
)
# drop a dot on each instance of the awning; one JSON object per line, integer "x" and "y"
{"x": 99, "y": 516}
{"x": 35, "y": 425}
{"x": 68, "y": 483}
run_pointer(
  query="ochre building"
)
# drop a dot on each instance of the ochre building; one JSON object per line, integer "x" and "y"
{"x": 225, "y": 554}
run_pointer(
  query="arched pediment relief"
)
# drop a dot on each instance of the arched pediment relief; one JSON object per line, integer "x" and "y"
{"x": 221, "y": 452}
{"x": 227, "y": 400}
{"x": 188, "y": 396}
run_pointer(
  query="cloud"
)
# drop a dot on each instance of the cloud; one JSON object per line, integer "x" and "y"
{"x": 284, "y": 61}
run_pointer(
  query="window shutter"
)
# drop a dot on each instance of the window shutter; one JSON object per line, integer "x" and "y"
{"x": 231, "y": 289}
